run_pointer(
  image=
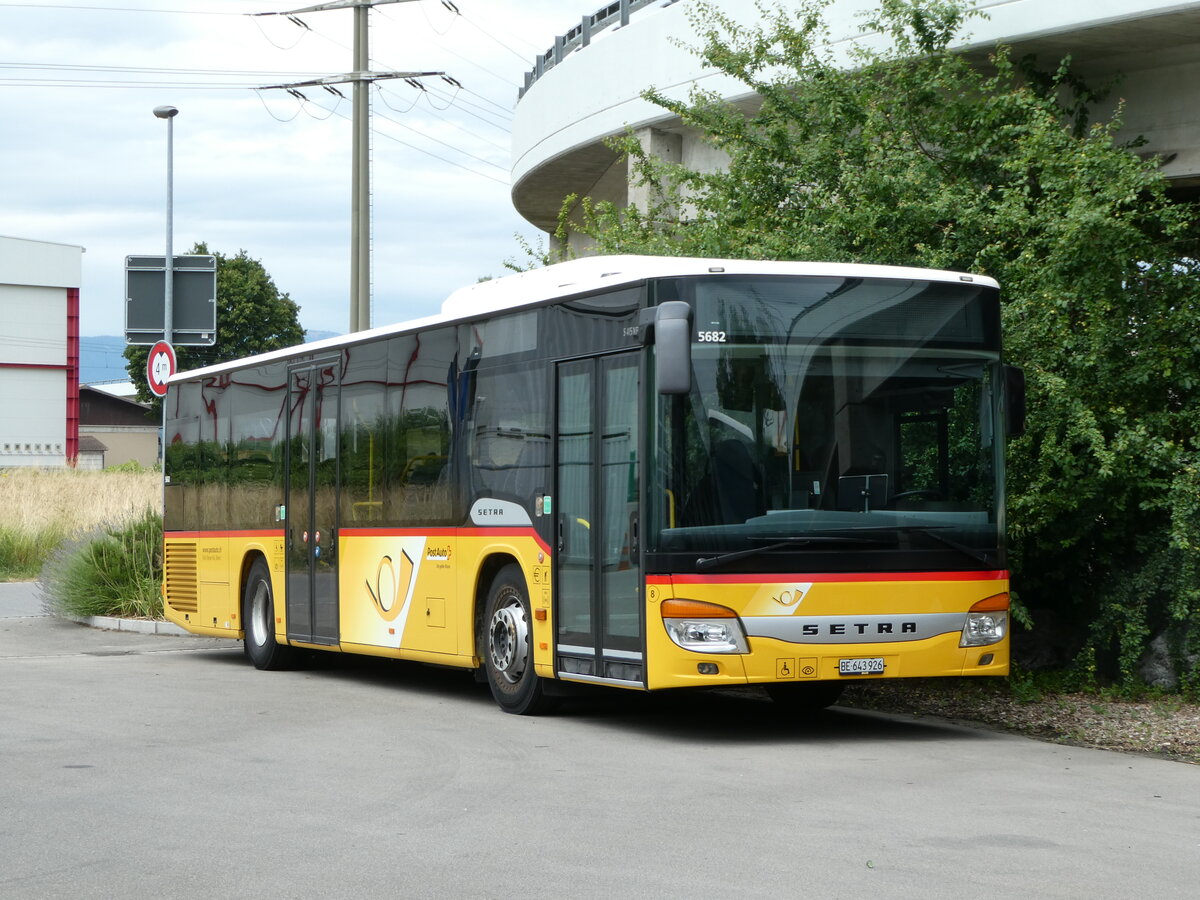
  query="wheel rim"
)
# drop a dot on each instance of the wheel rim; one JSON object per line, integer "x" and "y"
{"x": 259, "y": 611}
{"x": 508, "y": 640}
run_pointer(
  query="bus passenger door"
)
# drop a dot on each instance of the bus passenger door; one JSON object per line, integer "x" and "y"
{"x": 312, "y": 480}
{"x": 598, "y": 609}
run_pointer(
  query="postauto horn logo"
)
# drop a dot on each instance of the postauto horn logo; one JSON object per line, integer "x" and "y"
{"x": 391, "y": 586}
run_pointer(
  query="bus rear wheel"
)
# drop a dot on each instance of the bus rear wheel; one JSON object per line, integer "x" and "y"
{"x": 506, "y": 645}
{"x": 258, "y": 621}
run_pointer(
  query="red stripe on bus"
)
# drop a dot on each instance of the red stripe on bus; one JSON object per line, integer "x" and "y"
{"x": 490, "y": 532}
{"x": 377, "y": 532}
{"x": 824, "y": 577}
{"x": 263, "y": 533}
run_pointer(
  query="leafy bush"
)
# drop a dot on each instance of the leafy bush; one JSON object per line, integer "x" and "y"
{"x": 133, "y": 467}
{"x": 113, "y": 571}
{"x": 915, "y": 155}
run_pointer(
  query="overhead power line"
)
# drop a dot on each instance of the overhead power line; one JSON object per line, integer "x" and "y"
{"x": 523, "y": 57}
{"x": 360, "y": 176}
{"x": 393, "y": 138}
{"x": 150, "y": 70}
{"x": 184, "y": 12}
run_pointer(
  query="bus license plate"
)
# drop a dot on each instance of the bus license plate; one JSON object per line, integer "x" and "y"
{"x": 870, "y": 665}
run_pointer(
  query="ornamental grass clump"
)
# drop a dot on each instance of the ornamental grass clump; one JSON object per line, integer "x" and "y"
{"x": 112, "y": 571}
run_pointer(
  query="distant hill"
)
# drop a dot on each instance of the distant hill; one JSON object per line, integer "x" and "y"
{"x": 101, "y": 359}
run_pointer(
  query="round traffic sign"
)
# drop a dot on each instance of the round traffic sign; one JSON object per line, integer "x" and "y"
{"x": 160, "y": 365}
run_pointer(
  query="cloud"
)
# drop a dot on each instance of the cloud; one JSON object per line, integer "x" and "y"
{"x": 85, "y": 163}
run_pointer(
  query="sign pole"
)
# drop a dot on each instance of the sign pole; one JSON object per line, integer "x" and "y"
{"x": 168, "y": 113}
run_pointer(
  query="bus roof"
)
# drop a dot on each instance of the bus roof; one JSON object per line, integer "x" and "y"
{"x": 581, "y": 276}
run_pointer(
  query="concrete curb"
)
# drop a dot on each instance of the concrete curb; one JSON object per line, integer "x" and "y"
{"x": 140, "y": 626}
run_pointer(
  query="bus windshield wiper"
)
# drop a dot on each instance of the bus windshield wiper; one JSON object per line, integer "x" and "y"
{"x": 931, "y": 531}
{"x": 712, "y": 562}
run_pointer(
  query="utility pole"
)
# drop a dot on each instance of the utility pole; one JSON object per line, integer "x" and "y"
{"x": 360, "y": 168}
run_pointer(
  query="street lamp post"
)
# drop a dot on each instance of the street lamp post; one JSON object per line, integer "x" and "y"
{"x": 169, "y": 113}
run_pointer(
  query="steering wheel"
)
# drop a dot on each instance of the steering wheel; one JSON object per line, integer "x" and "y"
{"x": 922, "y": 493}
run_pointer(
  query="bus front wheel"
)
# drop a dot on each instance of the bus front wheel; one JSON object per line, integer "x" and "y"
{"x": 506, "y": 645}
{"x": 258, "y": 621}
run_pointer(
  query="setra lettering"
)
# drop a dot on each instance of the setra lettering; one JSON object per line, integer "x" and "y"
{"x": 813, "y": 629}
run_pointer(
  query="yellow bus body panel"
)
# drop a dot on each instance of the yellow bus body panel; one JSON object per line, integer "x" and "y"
{"x": 856, "y": 604}
{"x": 203, "y": 584}
{"x": 410, "y": 594}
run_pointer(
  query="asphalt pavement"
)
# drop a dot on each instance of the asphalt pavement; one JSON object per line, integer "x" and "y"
{"x": 148, "y": 766}
{"x": 20, "y": 599}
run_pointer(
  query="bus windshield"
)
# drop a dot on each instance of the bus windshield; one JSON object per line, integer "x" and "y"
{"x": 831, "y": 417}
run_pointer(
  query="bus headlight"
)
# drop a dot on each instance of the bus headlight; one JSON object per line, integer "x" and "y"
{"x": 987, "y": 622}
{"x": 704, "y": 627}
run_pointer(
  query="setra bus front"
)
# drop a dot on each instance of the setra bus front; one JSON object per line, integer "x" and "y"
{"x": 824, "y": 474}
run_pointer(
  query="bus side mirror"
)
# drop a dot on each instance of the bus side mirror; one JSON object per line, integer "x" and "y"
{"x": 673, "y": 347}
{"x": 1014, "y": 401}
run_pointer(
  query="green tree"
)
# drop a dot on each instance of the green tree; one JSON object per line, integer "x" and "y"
{"x": 252, "y": 317}
{"x": 915, "y": 155}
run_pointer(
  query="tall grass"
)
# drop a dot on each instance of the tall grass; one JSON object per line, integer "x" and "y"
{"x": 42, "y": 508}
{"x": 78, "y": 500}
{"x": 23, "y": 552}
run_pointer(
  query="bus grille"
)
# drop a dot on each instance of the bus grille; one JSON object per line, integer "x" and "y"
{"x": 180, "y": 575}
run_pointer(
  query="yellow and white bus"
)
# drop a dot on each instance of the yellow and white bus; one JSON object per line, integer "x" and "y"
{"x": 641, "y": 472}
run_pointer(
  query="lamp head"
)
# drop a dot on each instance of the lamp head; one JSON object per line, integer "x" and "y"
{"x": 165, "y": 112}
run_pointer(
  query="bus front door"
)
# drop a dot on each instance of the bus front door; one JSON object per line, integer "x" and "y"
{"x": 597, "y": 584}
{"x": 312, "y": 479}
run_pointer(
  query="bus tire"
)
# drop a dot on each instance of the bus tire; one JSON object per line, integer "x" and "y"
{"x": 805, "y": 698}
{"x": 506, "y": 646}
{"x": 258, "y": 621}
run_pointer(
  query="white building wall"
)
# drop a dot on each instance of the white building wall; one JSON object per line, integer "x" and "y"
{"x": 30, "y": 262}
{"x": 33, "y": 415}
{"x": 33, "y": 325}
{"x": 35, "y": 277}
{"x": 595, "y": 91}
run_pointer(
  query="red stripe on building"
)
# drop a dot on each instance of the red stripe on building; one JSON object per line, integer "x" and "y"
{"x": 72, "y": 375}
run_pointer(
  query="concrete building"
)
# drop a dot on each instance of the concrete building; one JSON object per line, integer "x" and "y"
{"x": 39, "y": 352}
{"x": 122, "y": 426}
{"x": 587, "y": 85}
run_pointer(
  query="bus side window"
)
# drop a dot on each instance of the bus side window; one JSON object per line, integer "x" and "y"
{"x": 418, "y": 409}
{"x": 363, "y": 434}
{"x": 511, "y": 440}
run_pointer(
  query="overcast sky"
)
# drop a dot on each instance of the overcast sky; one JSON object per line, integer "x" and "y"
{"x": 83, "y": 159}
